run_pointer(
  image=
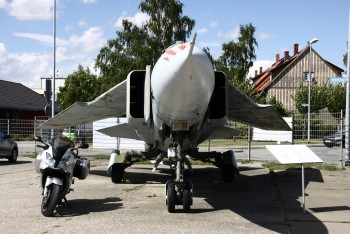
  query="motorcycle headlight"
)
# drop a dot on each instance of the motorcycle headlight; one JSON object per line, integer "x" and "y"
{"x": 49, "y": 160}
{"x": 64, "y": 162}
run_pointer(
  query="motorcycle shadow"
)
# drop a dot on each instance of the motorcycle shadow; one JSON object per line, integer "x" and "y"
{"x": 79, "y": 207}
{"x": 7, "y": 163}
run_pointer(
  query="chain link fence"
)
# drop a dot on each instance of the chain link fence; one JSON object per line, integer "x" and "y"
{"x": 250, "y": 145}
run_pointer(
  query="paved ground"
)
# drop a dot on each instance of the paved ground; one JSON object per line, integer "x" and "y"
{"x": 257, "y": 153}
{"x": 258, "y": 202}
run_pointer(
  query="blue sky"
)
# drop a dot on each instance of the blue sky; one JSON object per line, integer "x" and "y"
{"x": 84, "y": 26}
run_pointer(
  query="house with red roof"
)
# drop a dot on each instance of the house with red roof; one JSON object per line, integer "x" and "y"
{"x": 283, "y": 78}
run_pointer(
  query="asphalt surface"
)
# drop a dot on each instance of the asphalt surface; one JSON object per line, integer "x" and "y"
{"x": 257, "y": 153}
{"x": 257, "y": 202}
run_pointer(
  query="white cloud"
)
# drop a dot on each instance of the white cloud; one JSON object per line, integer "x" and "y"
{"x": 27, "y": 68}
{"x": 82, "y": 23}
{"x": 232, "y": 34}
{"x": 208, "y": 44}
{"x": 264, "y": 36}
{"x": 29, "y": 9}
{"x": 89, "y": 41}
{"x": 2, "y": 49}
{"x": 256, "y": 66}
{"x": 3, "y": 3}
{"x": 138, "y": 19}
{"x": 213, "y": 24}
{"x": 46, "y": 39}
{"x": 202, "y": 30}
{"x": 68, "y": 28}
{"x": 89, "y": 1}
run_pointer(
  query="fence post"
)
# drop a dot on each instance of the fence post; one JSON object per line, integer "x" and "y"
{"x": 249, "y": 143}
{"x": 293, "y": 128}
{"x": 8, "y": 127}
{"x": 341, "y": 142}
{"x": 35, "y": 124}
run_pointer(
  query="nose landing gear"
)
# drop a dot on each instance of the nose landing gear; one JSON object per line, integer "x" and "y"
{"x": 179, "y": 191}
{"x": 179, "y": 194}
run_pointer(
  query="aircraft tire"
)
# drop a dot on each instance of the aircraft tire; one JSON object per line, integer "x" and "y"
{"x": 171, "y": 197}
{"x": 228, "y": 173}
{"x": 186, "y": 200}
{"x": 117, "y": 173}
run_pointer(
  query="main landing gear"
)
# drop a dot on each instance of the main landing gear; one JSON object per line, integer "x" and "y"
{"x": 179, "y": 191}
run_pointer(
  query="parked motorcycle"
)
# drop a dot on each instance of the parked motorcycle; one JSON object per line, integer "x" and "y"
{"x": 58, "y": 163}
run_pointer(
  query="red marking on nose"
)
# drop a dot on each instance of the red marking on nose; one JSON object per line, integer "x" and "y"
{"x": 182, "y": 46}
{"x": 166, "y": 58}
{"x": 171, "y": 52}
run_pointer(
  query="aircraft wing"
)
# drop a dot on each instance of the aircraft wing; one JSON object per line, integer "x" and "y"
{"x": 109, "y": 104}
{"x": 121, "y": 130}
{"x": 243, "y": 109}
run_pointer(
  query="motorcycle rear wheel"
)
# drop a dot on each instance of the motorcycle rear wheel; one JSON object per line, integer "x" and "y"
{"x": 49, "y": 203}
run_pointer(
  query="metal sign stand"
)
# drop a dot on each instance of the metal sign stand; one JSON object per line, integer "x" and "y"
{"x": 295, "y": 154}
{"x": 303, "y": 185}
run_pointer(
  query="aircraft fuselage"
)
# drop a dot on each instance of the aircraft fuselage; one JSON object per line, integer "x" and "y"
{"x": 182, "y": 84}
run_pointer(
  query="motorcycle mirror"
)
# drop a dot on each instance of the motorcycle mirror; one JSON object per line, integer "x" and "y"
{"x": 37, "y": 138}
{"x": 83, "y": 146}
{"x": 82, "y": 139}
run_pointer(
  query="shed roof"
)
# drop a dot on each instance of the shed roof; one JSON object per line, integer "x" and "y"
{"x": 16, "y": 96}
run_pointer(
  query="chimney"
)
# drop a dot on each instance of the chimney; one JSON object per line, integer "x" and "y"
{"x": 260, "y": 69}
{"x": 256, "y": 72}
{"x": 277, "y": 57}
{"x": 296, "y": 48}
{"x": 286, "y": 55}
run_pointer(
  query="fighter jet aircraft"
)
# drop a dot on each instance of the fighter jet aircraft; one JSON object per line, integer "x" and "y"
{"x": 173, "y": 108}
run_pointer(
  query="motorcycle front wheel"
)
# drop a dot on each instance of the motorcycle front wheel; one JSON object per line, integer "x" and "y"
{"x": 49, "y": 202}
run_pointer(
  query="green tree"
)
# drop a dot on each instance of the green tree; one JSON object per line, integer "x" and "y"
{"x": 236, "y": 60}
{"x": 345, "y": 59}
{"x": 336, "y": 100}
{"x": 79, "y": 86}
{"x": 237, "y": 57}
{"x": 167, "y": 24}
{"x": 278, "y": 106}
{"x": 249, "y": 90}
{"x": 207, "y": 51}
{"x": 135, "y": 47}
{"x": 319, "y": 97}
{"x": 129, "y": 51}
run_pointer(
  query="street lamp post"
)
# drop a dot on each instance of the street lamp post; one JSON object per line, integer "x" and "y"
{"x": 309, "y": 93}
{"x": 347, "y": 111}
{"x": 54, "y": 61}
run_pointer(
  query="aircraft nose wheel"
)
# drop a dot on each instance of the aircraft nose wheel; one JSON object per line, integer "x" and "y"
{"x": 179, "y": 194}
{"x": 170, "y": 196}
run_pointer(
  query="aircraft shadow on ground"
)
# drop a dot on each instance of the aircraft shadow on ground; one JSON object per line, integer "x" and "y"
{"x": 79, "y": 207}
{"x": 140, "y": 175}
{"x": 263, "y": 199}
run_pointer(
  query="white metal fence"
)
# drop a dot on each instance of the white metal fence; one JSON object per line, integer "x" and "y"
{"x": 250, "y": 145}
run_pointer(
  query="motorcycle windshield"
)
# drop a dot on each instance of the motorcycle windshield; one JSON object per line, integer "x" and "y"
{"x": 60, "y": 144}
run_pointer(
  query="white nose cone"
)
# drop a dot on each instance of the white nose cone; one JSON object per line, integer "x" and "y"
{"x": 182, "y": 84}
